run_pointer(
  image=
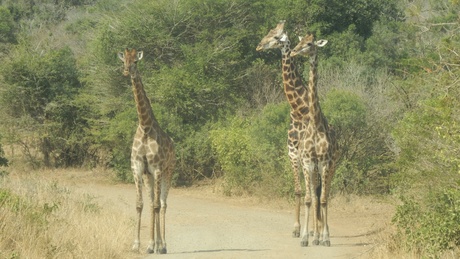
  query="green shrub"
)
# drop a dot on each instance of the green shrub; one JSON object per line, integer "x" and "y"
{"x": 252, "y": 152}
{"x": 233, "y": 148}
{"x": 117, "y": 139}
{"x": 195, "y": 158}
{"x": 362, "y": 164}
{"x": 430, "y": 226}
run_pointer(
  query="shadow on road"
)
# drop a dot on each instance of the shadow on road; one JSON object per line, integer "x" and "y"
{"x": 222, "y": 250}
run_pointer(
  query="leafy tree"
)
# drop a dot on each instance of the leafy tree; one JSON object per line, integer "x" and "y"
{"x": 428, "y": 138}
{"x": 46, "y": 87}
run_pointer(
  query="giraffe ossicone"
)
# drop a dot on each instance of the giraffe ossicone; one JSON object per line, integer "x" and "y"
{"x": 152, "y": 158}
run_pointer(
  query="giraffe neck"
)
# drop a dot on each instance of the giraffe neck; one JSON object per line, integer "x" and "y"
{"x": 294, "y": 89}
{"x": 144, "y": 109}
{"x": 315, "y": 109}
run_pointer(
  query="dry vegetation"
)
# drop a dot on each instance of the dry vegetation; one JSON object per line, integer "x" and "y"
{"x": 44, "y": 219}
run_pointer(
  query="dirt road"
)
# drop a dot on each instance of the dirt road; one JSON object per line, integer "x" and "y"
{"x": 203, "y": 224}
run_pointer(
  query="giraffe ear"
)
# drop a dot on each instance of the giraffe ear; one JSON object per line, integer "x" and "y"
{"x": 321, "y": 43}
{"x": 140, "y": 54}
{"x": 121, "y": 56}
{"x": 300, "y": 38}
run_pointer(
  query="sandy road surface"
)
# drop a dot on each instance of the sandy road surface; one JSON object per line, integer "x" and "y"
{"x": 202, "y": 224}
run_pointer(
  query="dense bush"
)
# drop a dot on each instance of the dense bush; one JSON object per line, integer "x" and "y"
{"x": 253, "y": 154}
{"x": 428, "y": 140}
{"x": 430, "y": 227}
{"x": 45, "y": 92}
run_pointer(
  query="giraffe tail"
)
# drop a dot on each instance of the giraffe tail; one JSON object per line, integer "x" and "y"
{"x": 318, "y": 202}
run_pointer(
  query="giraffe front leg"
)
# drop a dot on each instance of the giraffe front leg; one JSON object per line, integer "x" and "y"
{"x": 325, "y": 187}
{"x": 317, "y": 218}
{"x": 325, "y": 230}
{"x": 149, "y": 182}
{"x": 161, "y": 240}
{"x": 298, "y": 193}
{"x": 162, "y": 228}
{"x": 296, "y": 231}
{"x": 137, "y": 241}
{"x": 308, "y": 202}
{"x": 293, "y": 152}
{"x": 151, "y": 246}
{"x": 315, "y": 189}
{"x": 139, "y": 207}
{"x": 305, "y": 234}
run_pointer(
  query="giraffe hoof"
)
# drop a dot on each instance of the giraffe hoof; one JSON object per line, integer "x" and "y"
{"x": 136, "y": 246}
{"x": 296, "y": 233}
{"x": 326, "y": 243}
{"x": 315, "y": 242}
{"x": 163, "y": 251}
{"x": 150, "y": 250}
{"x": 304, "y": 243}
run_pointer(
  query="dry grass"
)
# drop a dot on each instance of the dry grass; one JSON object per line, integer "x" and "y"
{"x": 42, "y": 219}
{"x": 387, "y": 248}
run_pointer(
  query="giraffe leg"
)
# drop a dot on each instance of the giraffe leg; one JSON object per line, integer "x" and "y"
{"x": 296, "y": 231}
{"x": 158, "y": 243}
{"x": 163, "y": 197}
{"x": 137, "y": 167}
{"x": 158, "y": 216}
{"x": 298, "y": 193}
{"x": 317, "y": 219}
{"x": 325, "y": 227}
{"x": 149, "y": 182}
{"x": 139, "y": 206}
{"x": 325, "y": 187}
{"x": 308, "y": 170}
{"x": 293, "y": 152}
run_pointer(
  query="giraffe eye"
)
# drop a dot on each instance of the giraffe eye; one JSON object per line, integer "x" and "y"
{"x": 309, "y": 44}
{"x": 277, "y": 38}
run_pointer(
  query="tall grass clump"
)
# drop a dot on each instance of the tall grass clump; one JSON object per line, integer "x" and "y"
{"x": 45, "y": 220}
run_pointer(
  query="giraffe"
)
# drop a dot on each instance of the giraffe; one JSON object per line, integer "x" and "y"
{"x": 152, "y": 158}
{"x": 320, "y": 149}
{"x": 297, "y": 96}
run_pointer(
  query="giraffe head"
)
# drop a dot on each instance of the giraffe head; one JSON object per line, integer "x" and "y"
{"x": 130, "y": 58}
{"x": 307, "y": 46}
{"x": 276, "y": 38}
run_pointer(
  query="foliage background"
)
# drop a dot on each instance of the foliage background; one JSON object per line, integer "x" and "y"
{"x": 389, "y": 85}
